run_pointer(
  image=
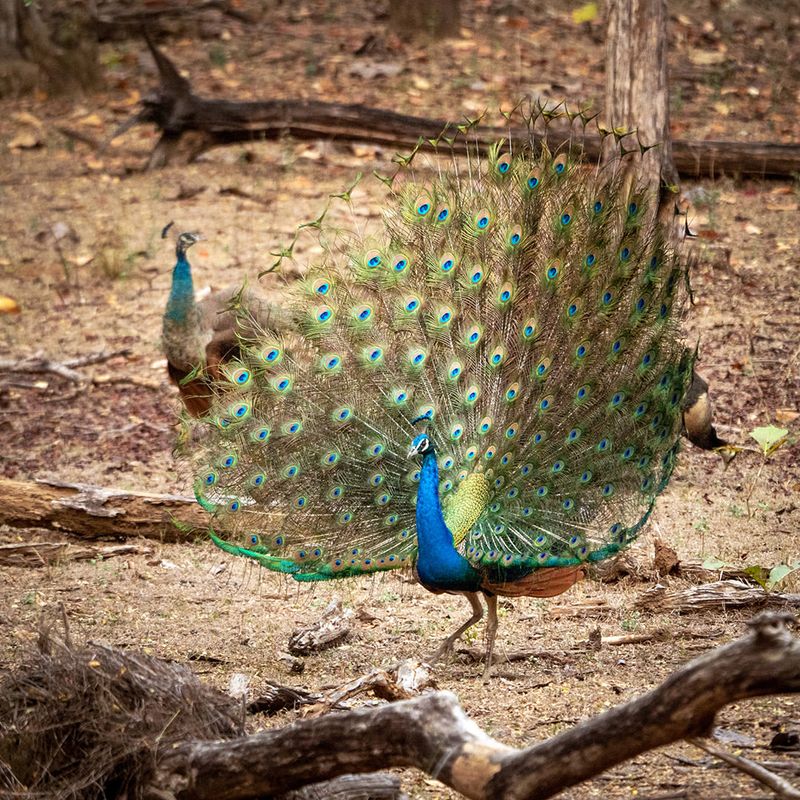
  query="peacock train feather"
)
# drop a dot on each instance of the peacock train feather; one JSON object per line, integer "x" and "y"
{"x": 515, "y": 327}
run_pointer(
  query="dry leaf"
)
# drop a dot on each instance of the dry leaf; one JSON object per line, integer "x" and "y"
{"x": 753, "y": 230}
{"x": 723, "y": 109}
{"x": 92, "y": 119}
{"x": 26, "y": 140}
{"x": 26, "y": 118}
{"x": 707, "y": 58}
{"x": 786, "y": 415}
{"x": 8, "y": 305}
{"x": 421, "y": 83}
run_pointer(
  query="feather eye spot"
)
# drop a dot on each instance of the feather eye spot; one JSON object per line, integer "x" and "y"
{"x": 300, "y": 502}
{"x": 423, "y": 206}
{"x": 581, "y": 350}
{"x": 617, "y": 399}
{"x": 544, "y": 404}
{"x": 582, "y": 393}
{"x": 568, "y": 504}
{"x": 253, "y": 538}
{"x": 643, "y": 462}
{"x": 573, "y": 435}
{"x": 442, "y": 213}
{"x": 362, "y": 313}
{"x": 482, "y": 220}
{"x": 627, "y": 453}
{"x": 590, "y": 259}
{"x": 504, "y": 163}
{"x": 210, "y": 478}
{"x": 447, "y": 262}
{"x": 625, "y": 254}
{"x": 539, "y": 437}
{"x": 241, "y": 376}
{"x": 345, "y": 518}
{"x": 291, "y": 471}
{"x": 471, "y": 454}
{"x": 456, "y": 432}
{"x": 598, "y": 206}
{"x": 511, "y": 392}
{"x": 490, "y": 453}
{"x": 399, "y": 264}
{"x": 566, "y": 218}
{"x": 608, "y": 490}
{"x": 542, "y": 491}
{"x": 321, "y": 287}
{"x": 373, "y": 259}
{"x": 515, "y": 238}
{"x": 511, "y": 431}
{"x": 335, "y": 492}
{"x": 476, "y": 277}
{"x": 663, "y": 311}
{"x": 375, "y": 354}
{"x": 557, "y": 467}
{"x": 647, "y": 358}
{"x": 526, "y": 470}
{"x": 572, "y": 310}
{"x": 375, "y": 450}
{"x": 616, "y": 347}
{"x": 229, "y": 461}
{"x": 261, "y": 435}
{"x": 258, "y": 480}
{"x": 279, "y": 541}
{"x": 586, "y": 476}
{"x": 412, "y": 304}
{"x": 331, "y": 458}
{"x": 324, "y": 314}
{"x": 552, "y": 272}
{"x": 641, "y": 304}
{"x": 272, "y": 354}
{"x": 485, "y": 425}
{"x": 559, "y": 166}
{"x": 607, "y": 298}
{"x": 343, "y": 413}
{"x": 640, "y": 410}
{"x": 603, "y": 445}
{"x": 471, "y": 396}
{"x": 632, "y": 209}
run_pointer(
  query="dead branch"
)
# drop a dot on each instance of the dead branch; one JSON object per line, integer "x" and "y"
{"x": 331, "y": 629}
{"x": 720, "y": 594}
{"x": 379, "y": 786}
{"x": 191, "y": 125}
{"x": 94, "y": 512}
{"x": 432, "y": 733}
{"x": 758, "y": 772}
{"x": 40, "y": 363}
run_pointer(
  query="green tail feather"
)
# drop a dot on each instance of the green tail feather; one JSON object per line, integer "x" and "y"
{"x": 526, "y": 301}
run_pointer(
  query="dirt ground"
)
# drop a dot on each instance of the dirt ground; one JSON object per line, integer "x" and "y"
{"x": 80, "y": 253}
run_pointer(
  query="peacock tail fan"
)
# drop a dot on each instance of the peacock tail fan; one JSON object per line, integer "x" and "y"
{"x": 527, "y": 303}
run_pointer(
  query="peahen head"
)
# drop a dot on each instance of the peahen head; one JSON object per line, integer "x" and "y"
{"x": 421, "y": 445}
{"x": 185, "y": 241}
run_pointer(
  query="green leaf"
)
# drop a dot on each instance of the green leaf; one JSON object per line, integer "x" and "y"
{"x": 769, "y": 438}
{"x": 714, "y": 564}
{"x": 759, "y": 574}
{"x": 778, "y": 573}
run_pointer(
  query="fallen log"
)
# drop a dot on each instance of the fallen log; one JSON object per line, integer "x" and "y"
{"x": 190, "y": 125}
{"x": 719, "y": 594}
{"x": 96, "y": 512}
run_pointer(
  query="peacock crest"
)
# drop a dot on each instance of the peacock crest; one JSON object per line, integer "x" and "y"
{"x": 515, "y": 325}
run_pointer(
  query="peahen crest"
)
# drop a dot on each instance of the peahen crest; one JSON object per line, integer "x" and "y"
{"x": 519, "y": 316}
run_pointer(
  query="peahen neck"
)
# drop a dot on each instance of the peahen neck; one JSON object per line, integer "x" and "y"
{"x": 439, "y": 565}
{"x": 181, "y": 297}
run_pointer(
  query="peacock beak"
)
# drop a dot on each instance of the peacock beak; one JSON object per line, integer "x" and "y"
{"x": 413, "y": 451}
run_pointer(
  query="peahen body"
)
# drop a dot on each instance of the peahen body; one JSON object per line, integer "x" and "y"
{"x": 490, "y": 389}
{"x": 199, "y": 338}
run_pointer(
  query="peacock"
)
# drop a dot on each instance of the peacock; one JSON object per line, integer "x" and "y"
{"x": 199, "y": 336}
{"x": 488, "y": 390}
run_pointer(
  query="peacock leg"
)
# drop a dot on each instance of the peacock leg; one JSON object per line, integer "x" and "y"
{"x": 491, "y": 633}
{"x": 477, "y": 614}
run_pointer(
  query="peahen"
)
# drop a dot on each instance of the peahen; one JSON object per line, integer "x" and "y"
{"x": 490, "y": 389}
{"x": 199, "y": 337}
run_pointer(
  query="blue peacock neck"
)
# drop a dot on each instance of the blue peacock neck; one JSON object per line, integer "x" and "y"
{"x": 439, "y": 565}
{"x": 181, "y": 297}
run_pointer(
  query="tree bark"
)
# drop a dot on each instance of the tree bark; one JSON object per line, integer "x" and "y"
{"x": 433, "y": 734}
{"x": 94, "y": 512}
{"x": 637, "y": 89}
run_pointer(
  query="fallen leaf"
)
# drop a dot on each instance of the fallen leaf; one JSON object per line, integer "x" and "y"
{"x": 723, "y": 109}
{"x": 8, "y": 305}
{"x": 707, "y": 58}
{"x": 786, "y": 415}
{"x": 586, "y": 13}
{"x": 92, "y": 119}
{"x": 26, "y": 140}
{"x": 753, "y": 230}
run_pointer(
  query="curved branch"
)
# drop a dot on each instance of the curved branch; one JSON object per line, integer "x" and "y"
{"x": 434, "y": 734}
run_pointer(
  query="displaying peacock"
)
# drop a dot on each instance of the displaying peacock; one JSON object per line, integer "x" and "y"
{"x": 200, "y": 337}
{"x": 490, "y": 389}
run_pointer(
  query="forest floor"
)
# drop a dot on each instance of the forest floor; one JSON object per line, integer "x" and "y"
{"x": 80, "y": 253}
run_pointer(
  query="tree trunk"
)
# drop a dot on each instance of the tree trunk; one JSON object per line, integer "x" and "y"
{"x": 637, "y": 93}
{"x": 437, "y": 19}
{"x": 55, "y": 47}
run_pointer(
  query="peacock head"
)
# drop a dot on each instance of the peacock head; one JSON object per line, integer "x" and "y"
{"x": 185, "y": 241}
{"x": 421, "y": 445}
